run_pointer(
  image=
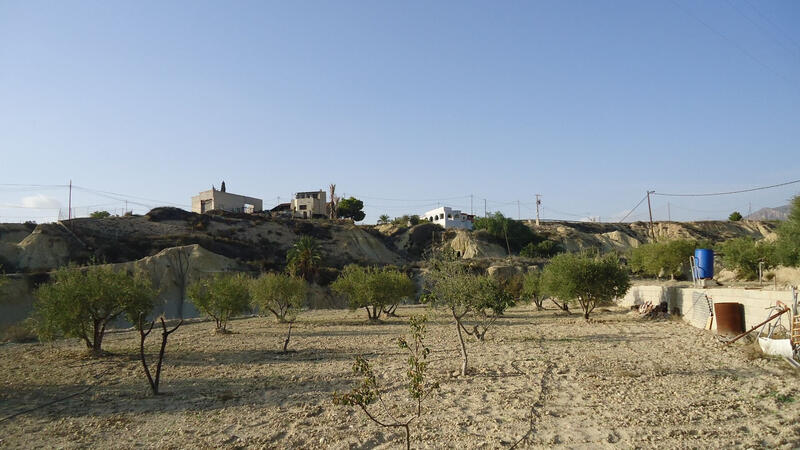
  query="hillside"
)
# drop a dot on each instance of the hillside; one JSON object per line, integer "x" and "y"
{"x": 779, "y": 213}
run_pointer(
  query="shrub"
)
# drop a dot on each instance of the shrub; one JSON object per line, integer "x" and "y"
{"x": 220, "y": 297}
{"x": 532, "y": 289}
{"x": 80, "y": 302}
{"x": 735, "y": 216}
{"x": 587, "y": 281}
{"x": 100, "y": 214}
{"x": 280, "y": 294}
{"x": 510, "y": 233}
{"x": 787, "y": 247}
{"x": 544, "y": 249}
{"x": 743, "y": 255}
{"x": 368, "y": 392}
{"x": 661, "y": 258}
{"x": 373, "y": 289}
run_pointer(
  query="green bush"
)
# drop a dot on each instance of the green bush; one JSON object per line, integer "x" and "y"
{"x": 544, "y": 249}
{"x": 351, "y": 208}
{"x": 787, "y": 247}
{"x": 373, "y": 289}
{"x": 81, "y": 302}
{"x": 743, "y": 255}
{"x": 532, "y": 289}
{"x": 661, "y": 258}
{"x": 735, "y": 216}
{"x": 282, "y": 295}
{"x": 507, "y": 232}
{"x": 587, "y": 281}
{"x": 221, "y": 297}
{"x": 100, "y": 214}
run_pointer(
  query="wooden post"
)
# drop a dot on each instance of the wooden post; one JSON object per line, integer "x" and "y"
{"x": 652, "y": 230}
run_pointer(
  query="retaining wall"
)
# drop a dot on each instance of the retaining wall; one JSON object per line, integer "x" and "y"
{"x": 694, "y": 307}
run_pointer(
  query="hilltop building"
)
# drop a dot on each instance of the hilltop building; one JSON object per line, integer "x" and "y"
{"x": 449, "y": 218}
{"x": 225, "y": 201}
{"x": 310, "y": 204}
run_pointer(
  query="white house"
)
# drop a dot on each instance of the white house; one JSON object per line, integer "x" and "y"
{"x": 449, "y": 218}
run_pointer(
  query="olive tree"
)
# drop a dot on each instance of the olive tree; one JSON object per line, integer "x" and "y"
{"x": 585, "y": 280}
{"x": 221, "y": 297}
{"x": 532, "y": 289}
{"x": 280, "y": 294}
{"x": 661, "y": 258}
{"x": 368, "y": 392}
{"x": 744, "y": 254}
{"x": 787, "y": 248}
{"x": 81, "y": 302}
{"x": 474, "y": 301}
{"x": 373, "y": 289}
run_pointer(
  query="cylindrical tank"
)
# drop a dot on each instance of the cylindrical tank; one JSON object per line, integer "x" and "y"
{"x": 704, "y": 258}
{"x": 729, "y": 317}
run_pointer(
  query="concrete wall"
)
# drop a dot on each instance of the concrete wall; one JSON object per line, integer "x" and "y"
{"x": 225, "y": 201}
{"x": 694, "y": 306}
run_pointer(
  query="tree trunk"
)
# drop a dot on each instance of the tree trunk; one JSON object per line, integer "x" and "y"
{"x": 463, "y": 345}
{"x": 288, "y": 336}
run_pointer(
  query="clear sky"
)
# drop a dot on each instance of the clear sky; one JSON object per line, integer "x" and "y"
{"x": 405, "y": 105}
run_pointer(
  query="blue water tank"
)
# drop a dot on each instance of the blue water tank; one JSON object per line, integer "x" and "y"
{"x": 704, "y": 259}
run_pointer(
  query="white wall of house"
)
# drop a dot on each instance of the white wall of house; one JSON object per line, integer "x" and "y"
{"x": 448, "y": 218}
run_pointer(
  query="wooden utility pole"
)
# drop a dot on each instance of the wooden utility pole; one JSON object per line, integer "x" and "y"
{"x": 538, "y": 204}
{"x": 484, "y": 208}
{"x": 69, "y": 213}
{"x": 650, "y": 209}
{"x": 471, "y": 211}
{"x": 669, "y": 214}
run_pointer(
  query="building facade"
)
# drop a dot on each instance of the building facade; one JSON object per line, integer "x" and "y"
{"x": 225, "y": 201}
{"x": 307, "y": 205}
{"x": 449, "y": 218}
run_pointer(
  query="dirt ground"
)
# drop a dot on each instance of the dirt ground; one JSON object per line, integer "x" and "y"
{"x": 541, "y": 379}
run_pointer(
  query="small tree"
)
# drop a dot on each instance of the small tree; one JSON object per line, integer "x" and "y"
{"x": 280, "y": 294}
{"x": 154, "y": 382}
{"x": 180, "y": 263}
{"x": 744, "y": 254}
{"x": 589, "y": 281}
{"x": 221, "y": 297}
{"x": 661, "y": 258}
{"x": 384, "y": 218}
{"x": 304, "y": 258}
{"x": 368, "y": 391}
{"x": 735, "y": 216}
{"x": 351, "y": 208}
{"x": 474, "y": 301}
{"x": 788, "y": 244}
{"x": 532, "y": 289}
{"x": 373, "y": 289}
{"x": 100, "y": 214}
{"x": 81, "y": 302}
{"x": 510, "y": 233}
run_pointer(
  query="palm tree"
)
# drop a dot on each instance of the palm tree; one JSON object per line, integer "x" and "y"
{"x": 384, "y": 218}
{"x": 304, "y": 258}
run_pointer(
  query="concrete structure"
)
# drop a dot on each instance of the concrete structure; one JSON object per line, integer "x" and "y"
{"x": 225, "y": 201}
{"x": 307, "y": 205}
{"x": 449, "y": 218}
{"x": 693, "y": 305}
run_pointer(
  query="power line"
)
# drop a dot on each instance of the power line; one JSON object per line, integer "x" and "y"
{"x": 733, "y": 43}
{"x": 767, "y": 19}
{"x": 729, "y": 192}
{"x": 633, "y": 209}
{"x": 761, "y": 28}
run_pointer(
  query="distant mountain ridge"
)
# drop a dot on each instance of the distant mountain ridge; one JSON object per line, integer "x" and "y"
{"x": 779, "y": 213}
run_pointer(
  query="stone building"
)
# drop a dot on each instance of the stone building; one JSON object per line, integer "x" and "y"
{"x": 307, "y": 205}
{"x": 225, "y": 201}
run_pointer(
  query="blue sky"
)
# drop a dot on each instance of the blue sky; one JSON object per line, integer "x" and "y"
{"x": 405, "y": 105}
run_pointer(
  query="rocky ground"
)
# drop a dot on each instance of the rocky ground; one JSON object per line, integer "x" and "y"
{"x": 542, "y": 379}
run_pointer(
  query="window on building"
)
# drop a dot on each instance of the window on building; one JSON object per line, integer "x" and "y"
{"x": 302, "y": 207}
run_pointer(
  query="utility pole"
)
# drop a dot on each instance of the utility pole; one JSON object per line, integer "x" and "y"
{"x": 484, "y": 208}
{"x": 69, "y": 213}
{"x": 471, "y": 211}
{"x": 538, "y": 204}
{"x": 519, "y": 216}
{"x": 669, "y": 214}
{"x": 650, "y": 209}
